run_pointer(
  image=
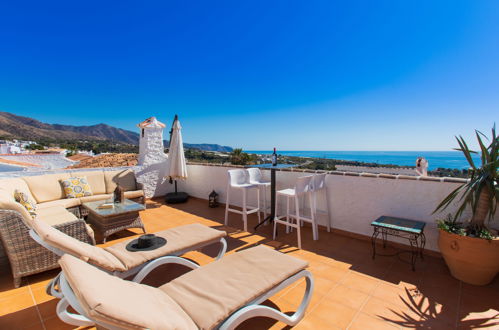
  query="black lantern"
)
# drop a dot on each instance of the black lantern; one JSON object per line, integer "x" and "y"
{"x": 213, "y": 199}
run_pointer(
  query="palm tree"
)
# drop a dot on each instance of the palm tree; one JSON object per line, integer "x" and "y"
{"x": 481, "y": 192}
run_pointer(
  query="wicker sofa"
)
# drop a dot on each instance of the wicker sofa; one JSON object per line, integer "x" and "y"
{"x": 26, "y": 257}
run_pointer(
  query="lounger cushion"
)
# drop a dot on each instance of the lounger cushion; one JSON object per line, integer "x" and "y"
{"x": 66, "y": 203}
{"x": 55, "y": 215}
{"x": 121, "y": 303}
{"x": 46, "y": 187}
{"x": 211, "y": 293}
{"x": 178, "y": 239}
{"x": 84, "y": 251}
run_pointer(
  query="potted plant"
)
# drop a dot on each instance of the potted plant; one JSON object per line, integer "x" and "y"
{"x": 470, "y": 248}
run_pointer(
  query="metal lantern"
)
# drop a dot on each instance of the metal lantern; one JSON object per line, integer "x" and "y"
{"x": 213, "y": 199}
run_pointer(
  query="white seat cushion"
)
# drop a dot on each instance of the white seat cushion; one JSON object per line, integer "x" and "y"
{"x": 286, "y": 192}
{"x": 244, "y": 186}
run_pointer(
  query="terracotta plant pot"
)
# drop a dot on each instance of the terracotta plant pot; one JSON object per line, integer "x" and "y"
{"x": 471, "y": 260}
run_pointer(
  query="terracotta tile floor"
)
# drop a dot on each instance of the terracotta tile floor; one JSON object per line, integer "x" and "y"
{"x": 352, "y": 291}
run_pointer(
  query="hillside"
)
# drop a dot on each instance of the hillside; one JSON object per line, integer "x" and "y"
{"x": 25, "y": 128}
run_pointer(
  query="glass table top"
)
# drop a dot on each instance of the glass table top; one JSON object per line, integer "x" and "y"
{"x": 118, "y": 208}
{"x": 399, "y": 224}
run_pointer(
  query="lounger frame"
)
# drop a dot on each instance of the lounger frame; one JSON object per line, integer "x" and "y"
{"x": 250, "y": 310}
{"x": 140, "y": 273}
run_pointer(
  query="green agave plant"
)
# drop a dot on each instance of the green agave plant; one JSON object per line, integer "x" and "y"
{"x": 481, "y": 192}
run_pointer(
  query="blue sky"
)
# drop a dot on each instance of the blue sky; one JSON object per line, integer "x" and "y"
{"x": 298, "y": 75}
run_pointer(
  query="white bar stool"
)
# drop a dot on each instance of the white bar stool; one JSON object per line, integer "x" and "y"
{"x": 256, "y": 178}
{"x": 239, "y": 179}
{"x": 319, "y": 185}
{"x": 303, "y": 188}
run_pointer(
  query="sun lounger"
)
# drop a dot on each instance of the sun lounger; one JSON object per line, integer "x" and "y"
{"x": 220, "y": 295}
{"x": 118, "y": 261}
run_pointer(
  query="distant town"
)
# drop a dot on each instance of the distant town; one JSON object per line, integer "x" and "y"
{"x": 33, "y": 156}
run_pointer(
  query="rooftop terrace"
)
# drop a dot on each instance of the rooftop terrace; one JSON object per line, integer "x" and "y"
{"x": 352, "y": 291}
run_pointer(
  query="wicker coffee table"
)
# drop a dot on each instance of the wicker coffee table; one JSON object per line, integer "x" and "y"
{"x": 112, "y": 220}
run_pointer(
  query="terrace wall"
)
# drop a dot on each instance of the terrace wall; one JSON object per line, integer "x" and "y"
{"x": 354, "y": 199}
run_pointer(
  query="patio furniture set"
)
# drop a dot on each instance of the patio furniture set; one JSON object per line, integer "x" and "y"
{"x": 92, "y": 285}
{"x": 213, "y": 296}
{"x": 49, "y": 201}
{"x": 92, "y": 281}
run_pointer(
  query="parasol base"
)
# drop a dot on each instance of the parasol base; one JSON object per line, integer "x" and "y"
{"x": 176, "y": 197}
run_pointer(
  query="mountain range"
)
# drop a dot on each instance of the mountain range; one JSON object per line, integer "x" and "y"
{"x": 25, "y": 128}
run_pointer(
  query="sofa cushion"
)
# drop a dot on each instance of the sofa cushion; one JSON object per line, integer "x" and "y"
{"x": 46, "y": 187}
{"x": 7, "y": 202}
{"x": 95, "y": 198}
{"x": 95, "y": 180}
{"x": 22, "y": 198}
{"x": 76, "y": 187}
{"x": 134, "y": 194}
{"x": 55, "y": 215}
{"x": 125, "y": 178}
{"x": 211, "y": 293}
{"x": 123, "y": 304}
{"x": 71, "y": 245}
{"x": 66, "y": 203}
{"x": 11, "y": 184}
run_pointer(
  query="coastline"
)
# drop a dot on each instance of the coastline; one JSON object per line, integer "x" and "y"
{"x": 436, "y": 159}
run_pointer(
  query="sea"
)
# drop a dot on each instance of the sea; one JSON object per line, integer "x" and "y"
{"x": 436, "y": 159}
{"x": 8, "y": 168}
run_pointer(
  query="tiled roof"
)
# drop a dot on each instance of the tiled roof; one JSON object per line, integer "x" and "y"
{"x": 108, "y": 160}
{"x": 80, "y": 157}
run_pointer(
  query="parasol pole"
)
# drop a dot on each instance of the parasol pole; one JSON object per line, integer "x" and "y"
{"x": 169, "y": 145}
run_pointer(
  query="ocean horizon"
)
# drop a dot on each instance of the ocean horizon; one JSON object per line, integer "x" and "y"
{"x": 436, "y": 159}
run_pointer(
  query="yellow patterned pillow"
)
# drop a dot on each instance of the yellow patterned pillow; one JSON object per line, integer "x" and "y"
{"x": 76, "y": 187}
{"x": 23, "y": 199}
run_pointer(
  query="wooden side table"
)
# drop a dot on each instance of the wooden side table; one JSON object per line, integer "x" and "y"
{"x": 412, "y": 230}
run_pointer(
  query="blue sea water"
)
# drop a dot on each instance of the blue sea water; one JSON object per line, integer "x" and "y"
{"x": 436, "y": 159}
{"x": 7, "y": 168}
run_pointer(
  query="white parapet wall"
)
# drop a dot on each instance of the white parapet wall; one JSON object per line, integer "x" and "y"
{"x": 377, "y": 169}
{"x": 355, "y": 199}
